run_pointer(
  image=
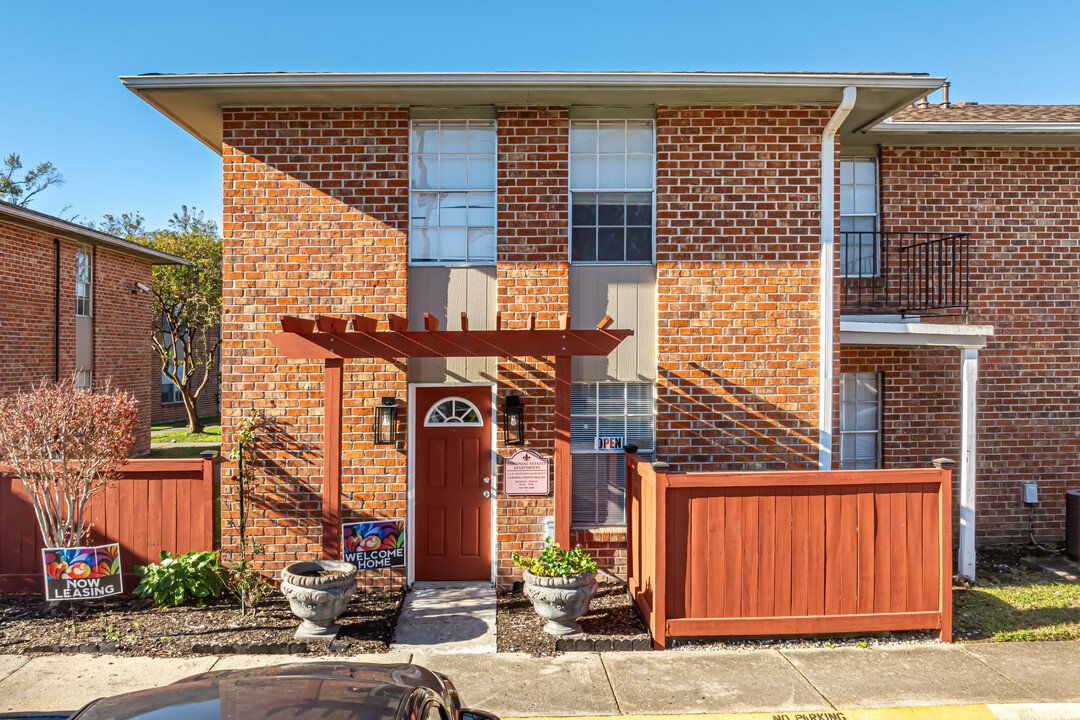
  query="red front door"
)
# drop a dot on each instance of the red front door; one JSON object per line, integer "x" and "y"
{"x": 453, "y": 465}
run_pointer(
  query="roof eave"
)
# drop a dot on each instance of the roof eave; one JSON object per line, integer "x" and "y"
{"x": 33, "y": 220}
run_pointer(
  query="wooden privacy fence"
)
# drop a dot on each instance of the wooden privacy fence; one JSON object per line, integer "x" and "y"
{"x": 156, "y": 505}
{"x": 749, "y": 554}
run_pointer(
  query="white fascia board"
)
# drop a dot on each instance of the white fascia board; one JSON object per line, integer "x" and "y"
{"x": 526, "y": 79}
{"x": 853, "y": 332}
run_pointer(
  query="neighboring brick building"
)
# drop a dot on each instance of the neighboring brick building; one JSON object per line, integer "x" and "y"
{"x": 76, "y": 300}
{"x": 167, "y": 402}
{"x": 687, "y": 207}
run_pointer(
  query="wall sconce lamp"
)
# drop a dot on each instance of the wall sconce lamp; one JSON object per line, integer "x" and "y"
{"x": 386, "y": 422}
{"x": 513, "y": 421}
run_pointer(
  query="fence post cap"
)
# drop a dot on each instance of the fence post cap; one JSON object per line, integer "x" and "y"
{"x": 209, "y": 454}
{"x": 944, "y": 463}
{"x": 660, "y": 465}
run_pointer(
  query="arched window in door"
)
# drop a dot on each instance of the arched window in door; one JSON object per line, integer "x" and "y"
{"x": 453, "y": 411}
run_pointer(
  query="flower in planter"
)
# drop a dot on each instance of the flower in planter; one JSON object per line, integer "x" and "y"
{"x": 556, "y": 562}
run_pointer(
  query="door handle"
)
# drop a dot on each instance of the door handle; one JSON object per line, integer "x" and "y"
{"x": 487, "y": 494}
{"x": 487, "y": 480}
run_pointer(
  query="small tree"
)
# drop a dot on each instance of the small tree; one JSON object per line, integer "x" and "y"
{"x": 186, "y": 301}
{"x": 64, "y": 444}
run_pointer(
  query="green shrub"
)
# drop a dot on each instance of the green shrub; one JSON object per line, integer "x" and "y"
{"x": 177, "y": 578}
{"x": 554, "y": 562}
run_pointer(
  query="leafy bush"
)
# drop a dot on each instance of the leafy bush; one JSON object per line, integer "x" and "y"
{"x": 171, "y": 582}
{"x": 555, "y": 562}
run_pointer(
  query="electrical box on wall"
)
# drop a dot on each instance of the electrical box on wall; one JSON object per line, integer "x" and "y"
{"x": 1031, "y": 493}
{"x": 549, "y": 527}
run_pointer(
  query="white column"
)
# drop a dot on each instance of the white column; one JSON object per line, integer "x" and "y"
{"x": 969, "y": 370}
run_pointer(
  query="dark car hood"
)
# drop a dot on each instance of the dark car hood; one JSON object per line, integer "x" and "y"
{"x": 297, "y": 691}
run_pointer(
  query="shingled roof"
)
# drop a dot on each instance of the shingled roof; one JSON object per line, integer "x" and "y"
{"x": 991, "y": 113}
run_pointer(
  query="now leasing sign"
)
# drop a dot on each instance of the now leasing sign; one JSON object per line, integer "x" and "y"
{"x": 82, "y": 573}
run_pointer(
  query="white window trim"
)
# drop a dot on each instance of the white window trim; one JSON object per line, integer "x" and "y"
{"x": 572, "y": 190}
{"x": 495, "y": 193}
{"x": 876, "y": 215}
{"x": 841, "y": 433}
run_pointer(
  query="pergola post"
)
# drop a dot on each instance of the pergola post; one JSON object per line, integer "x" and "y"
{"x": 563, "y": 490}
{"x": 331, "y": 479}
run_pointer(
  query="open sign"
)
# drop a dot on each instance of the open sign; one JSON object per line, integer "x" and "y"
{"x": 609, "y": 442}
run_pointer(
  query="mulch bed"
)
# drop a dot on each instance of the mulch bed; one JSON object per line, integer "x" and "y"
{"x": 133, "y": 626}
{"x": 611, "y": 617}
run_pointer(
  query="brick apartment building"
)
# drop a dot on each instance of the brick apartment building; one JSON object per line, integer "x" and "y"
{"x": 693, "y": 209}
{"x": 76, "y": 301}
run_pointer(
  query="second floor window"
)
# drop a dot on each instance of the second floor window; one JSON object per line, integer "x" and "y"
{"x": 611, "y": 187}
{"x": 83, "y": 283}
{"x": 859, "y": 217}
{"x": 452, "y": 192}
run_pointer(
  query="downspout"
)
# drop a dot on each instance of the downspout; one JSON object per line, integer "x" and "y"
{"x": 825, "y": 266}
{"x": 56, "y": 321}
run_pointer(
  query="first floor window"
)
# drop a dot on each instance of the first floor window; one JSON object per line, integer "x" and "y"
{"x": 606, "y": 410}
{"x": 83, "y": 283}
{"x": 84, "y": 380}
{"x": 169, "y": 392}
{"x": 860, "y": 421}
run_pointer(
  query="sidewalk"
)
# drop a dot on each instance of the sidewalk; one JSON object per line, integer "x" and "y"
{"x": 637, "y": 683}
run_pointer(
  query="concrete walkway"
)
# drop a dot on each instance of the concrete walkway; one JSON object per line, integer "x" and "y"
{"x": 447, "y": 617}
{"x": 637, "y": 683}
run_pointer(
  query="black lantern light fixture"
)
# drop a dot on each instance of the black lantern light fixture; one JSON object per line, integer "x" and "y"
{"x": 513, "y": 421}
{"x": 386, "y": 422}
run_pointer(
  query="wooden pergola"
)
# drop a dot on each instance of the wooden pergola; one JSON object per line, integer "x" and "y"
{"x": 336, "y": 339}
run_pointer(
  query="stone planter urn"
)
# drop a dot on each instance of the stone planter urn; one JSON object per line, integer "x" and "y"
{"x": 318, "y": 591}
{"x": 560, "y": 601}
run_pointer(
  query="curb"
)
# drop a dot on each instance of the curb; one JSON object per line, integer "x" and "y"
{"x": 1023, "y": 711}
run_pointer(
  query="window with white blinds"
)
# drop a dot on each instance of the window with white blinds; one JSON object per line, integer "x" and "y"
{"x": 625, "y": 410}
{"x": 860, "y": 421}
{"x": 859, "y": 217}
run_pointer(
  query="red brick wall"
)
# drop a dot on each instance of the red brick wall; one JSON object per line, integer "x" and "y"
{"x": 1022, "y": 206}
{"x": 533, "y": 278}
{"x": 121, "y": 320}
{"x": 207, "y": 404}
{"x": 737, "y": 286}
{"x": 122, "y": 351}
{"x": 315, "y": 218}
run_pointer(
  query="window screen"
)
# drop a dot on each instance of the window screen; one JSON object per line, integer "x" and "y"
{"x": 611, "y": 184}
{"x": 452, "y": 192}
{"x": 859, "y": 217}
{"x": 600, "y": 410}
{"x": 860, "y": 421}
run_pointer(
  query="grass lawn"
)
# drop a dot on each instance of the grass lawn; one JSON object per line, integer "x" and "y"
{"x": 210, "y": 434}
{"x": 184, "y": 451}
{"x": 183, "y": 423}
{"x": 1011, "y": 601}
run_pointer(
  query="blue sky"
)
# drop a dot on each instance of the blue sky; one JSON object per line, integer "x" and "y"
{"x": 61, "y": 100}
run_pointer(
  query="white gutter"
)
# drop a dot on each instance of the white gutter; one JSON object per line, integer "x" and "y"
{"x": 825, "y": 271}
{"x": 975, "y": 127}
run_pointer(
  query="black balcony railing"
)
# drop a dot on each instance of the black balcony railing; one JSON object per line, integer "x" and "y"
{"x": 904, "y": 272}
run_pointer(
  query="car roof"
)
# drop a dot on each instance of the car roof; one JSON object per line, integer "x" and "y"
{"x": 328, "y": 691}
